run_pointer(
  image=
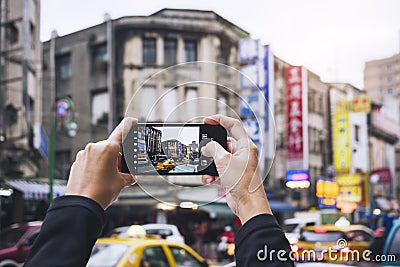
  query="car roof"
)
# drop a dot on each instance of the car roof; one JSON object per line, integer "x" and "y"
{"x": 333, "y": 228}
{"x": 159, "y": 226}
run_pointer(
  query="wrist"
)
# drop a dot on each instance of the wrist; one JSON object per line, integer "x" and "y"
{"x": 253, "y": 204}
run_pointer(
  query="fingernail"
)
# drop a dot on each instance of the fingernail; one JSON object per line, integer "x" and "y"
{"x": 208, "y": 181}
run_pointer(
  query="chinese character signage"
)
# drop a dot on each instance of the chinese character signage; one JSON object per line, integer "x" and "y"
{"x": 294, "y": 114}
{"x": 341, "y": 133}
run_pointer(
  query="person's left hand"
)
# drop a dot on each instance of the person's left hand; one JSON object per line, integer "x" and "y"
{"x": 95, "y": 175}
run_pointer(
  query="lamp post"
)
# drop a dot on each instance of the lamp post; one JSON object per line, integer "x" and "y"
{"x": 63, "y": 109}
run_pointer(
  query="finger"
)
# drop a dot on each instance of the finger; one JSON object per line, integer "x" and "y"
{"x": 207, "y": 179}
{"x": 218, "y": 153}
{"x": 231, "y": 144}
{"x": 233, "y": 125}
{"x": 117, "y": 135}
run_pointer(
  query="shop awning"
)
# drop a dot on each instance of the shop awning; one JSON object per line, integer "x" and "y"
{"x": 218, "y": 210}
{"x": 36, "y": 190}
{"x": 279, "y": 206}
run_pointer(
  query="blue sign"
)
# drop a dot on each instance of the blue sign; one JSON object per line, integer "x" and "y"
{"x": 40, "y": 140}
{"x": 326, "y": 203}
{"x": 248, "y": 49}
{"x": 297, "y": 175}
{"x": 249, "y": 105}
{"x": 253, "y": 129}
{"x": 249, "y": 76}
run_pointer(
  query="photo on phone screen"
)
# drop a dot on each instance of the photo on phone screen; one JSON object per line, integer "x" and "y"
{"x": 170, "y": 149}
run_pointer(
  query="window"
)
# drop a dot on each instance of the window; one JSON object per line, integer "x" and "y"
{"x": 12, "y": 33}
{"x": 147, "y": 106}
{"x": 222, "y": 104}
{"x": 100, "y": 104}
{"x": 224, "y": 55}
{"x": 149, "y": 51}
{"x": 191, "y": 101}
{"x": 184, "y": 258}
{"x": 30, "y": 239}
{"x": 390, "y": 78}
{"x": 154, "y": 256}
{"x": 190, "y": 50}
{"x": 63, "y": 164}
{"x": 357, "y": 133}
{"x": 170, "y": 51}
{"x": 169, "y": 104}
{"x": 32, "y": 35}
{"x": 99, "y": 56}
{"x": 63, "y": 66}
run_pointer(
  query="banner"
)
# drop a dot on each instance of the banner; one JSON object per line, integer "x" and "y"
{"x": 350, "y": 188}
{"x": 294, "y": 117}
{"x": 341, "y": 133}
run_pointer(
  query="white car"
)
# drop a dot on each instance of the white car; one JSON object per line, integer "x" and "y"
{"x": 167, "y": 231}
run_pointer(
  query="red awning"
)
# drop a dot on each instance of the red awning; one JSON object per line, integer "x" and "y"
{"x": 381, "y": 175}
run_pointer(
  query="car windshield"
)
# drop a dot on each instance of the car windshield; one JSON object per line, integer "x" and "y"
{"x": 10, "y": 237}
{"x": 106, "y": 255}
{"x": 288, "y": 228}
{"x": 331, "y": 236}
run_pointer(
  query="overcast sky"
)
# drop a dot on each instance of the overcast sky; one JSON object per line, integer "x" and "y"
{"x": 332, "y": 38}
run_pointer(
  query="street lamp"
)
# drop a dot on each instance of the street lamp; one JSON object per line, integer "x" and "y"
{"x": 62, "y": 109}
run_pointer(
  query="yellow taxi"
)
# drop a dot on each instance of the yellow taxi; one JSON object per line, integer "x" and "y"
{"x": 143, "y": 251}
{"x": 166, "y": 165}
{"x": 331, "y": 243}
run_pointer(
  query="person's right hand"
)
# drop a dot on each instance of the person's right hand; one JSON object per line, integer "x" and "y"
{"x": 238, "y": 170}
{"x": 95, "y": 175}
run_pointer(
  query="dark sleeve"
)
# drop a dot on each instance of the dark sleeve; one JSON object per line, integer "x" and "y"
{"x": 261, "y": 242}
{"x": 68, "y": 233}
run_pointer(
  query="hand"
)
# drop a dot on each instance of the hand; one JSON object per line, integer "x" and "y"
{"x": 95, "y": 175}
{"x": 238, "y": 170}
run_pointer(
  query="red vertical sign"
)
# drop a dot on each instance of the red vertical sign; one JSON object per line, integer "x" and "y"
{"x": 294, "y": 114}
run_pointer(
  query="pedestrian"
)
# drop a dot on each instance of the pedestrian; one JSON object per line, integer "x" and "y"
{"x": 74, "y": 221}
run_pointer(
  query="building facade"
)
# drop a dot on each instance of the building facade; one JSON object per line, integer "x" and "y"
{"x": 382, "y": 77}
{"x": 20, "y": 101}
{"x": 20, "y": 87}
{"x": 314, "y": 137}
{"x": 382, "y": 82}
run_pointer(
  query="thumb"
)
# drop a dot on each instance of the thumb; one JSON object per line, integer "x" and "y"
{"x": 218, "y": 153}
{"x": 128, "y": 179}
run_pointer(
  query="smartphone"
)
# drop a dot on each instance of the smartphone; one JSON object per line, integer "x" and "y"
{"x": 170, "y": 149}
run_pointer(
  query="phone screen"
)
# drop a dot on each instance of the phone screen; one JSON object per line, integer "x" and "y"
{"x": 170, "y": 149}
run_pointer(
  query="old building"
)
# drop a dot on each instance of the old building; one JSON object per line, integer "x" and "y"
{"x": 20, "y": 96}
{"x": 102, "y": 69}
